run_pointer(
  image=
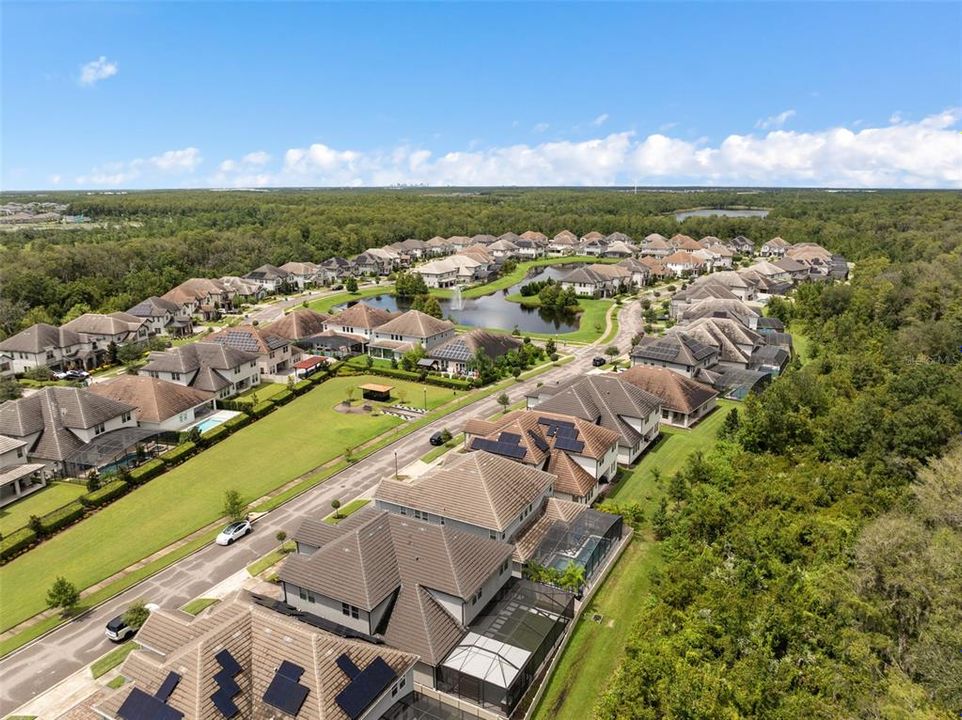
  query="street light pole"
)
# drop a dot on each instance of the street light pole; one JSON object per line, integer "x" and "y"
{"x": 395, "y": 465}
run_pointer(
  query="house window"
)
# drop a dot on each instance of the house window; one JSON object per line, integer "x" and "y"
{"x": 175, "y": 376}
{"x": 125, "y": 417}
{"x": 492, "y": 534}
{"x": 350, "y": 610}
{"x": 237, "y": 370}
{"x": 19, "y": 452}
{"x": 99, "y": 429}
{"x": 271, "y": 355}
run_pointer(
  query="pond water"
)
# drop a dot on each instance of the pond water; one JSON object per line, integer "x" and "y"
{"x": 715, "y": 212}
{"x": 494, "y": 311}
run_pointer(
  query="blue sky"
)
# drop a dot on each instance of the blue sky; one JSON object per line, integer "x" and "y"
{"x": 238, "y": 94}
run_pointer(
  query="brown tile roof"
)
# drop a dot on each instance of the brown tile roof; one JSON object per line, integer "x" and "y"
{"x": 676, "y": 392}
{"x": 730, "y": 337}
{"x": 193, "y": 289}
{"x": 156, "y": 400}
{"x": 249, "y": 338}
{"x": 565, "y": 237}
{"x": 415, "y": 323}
{"x": 297, "y": 324}
{"x": 38, "y": 338}
{"x": 597, "y": 439}
{"x": 154, "y": 307}
{"x": 117, "y": 323}
{"x": 572, "y": 479}
{"x": 477, "y": 488}
{"x": 259, "y": 640}
{"x": 361, "y": 315}
{"x": 300, "y": 268}
{"x": 682, "y": 258}
{"x": 534, "y": 235}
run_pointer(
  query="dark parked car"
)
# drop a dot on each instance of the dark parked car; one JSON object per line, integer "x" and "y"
{"x": 436, "y": 439}
{"x": 118, "y": 630}
{"x": 598, "y": 361}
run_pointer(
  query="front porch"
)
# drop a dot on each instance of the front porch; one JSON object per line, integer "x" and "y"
{"x": 19, "y": 481}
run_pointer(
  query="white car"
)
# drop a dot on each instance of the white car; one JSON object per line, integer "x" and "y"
{"x": 234, "y": 531}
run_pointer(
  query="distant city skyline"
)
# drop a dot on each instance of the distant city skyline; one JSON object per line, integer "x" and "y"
{"x": 173, "y": 95}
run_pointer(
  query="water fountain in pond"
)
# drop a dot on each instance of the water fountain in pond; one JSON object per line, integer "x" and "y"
{"x": 457, "y": 302}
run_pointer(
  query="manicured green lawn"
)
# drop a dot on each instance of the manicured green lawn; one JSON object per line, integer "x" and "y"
{"x": 112, "y": 659}
{"x": 669, "y": 455}
{"x": 518, "y": 274}
{"x": 16, "y": 515}
{"x": 272, "y": 558}
{"x": 800, "y": 341}
{"x": 342, "y": 512}
{"x": 591, "y": 319}
{"x": 264, "y": 391}
{"x": 198, "y": 605}
{"x": 256, "y": 460}
{"x": 596, "y": 648}
{"x": 326, "y": 304}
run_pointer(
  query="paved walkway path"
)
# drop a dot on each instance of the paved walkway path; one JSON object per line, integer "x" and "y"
{"x": 42, "y": 664}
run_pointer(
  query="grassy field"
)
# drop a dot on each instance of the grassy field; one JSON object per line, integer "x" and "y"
{"x": 256, "y": 460}
{"x": 39, "y": 503}
{"x": 800, "y": 341}
{"x": 198, "y": 605}
{"x": 519, "y": 274}
{"x": 346, "y": 510}
{"x": 112, "y": 659}
{"x": 326, "y": 304}
{"x": 596, "y": 648}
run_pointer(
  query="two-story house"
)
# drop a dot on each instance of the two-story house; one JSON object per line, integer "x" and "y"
{"x": 270, "y": 277}
{"x": 163, "y": 317}
{"x": 212, "y": 367}
{"x": 684, "y": 401}
{"x": 440, "y": 273}
{"x": 43, "y": 345}
{"x": 100, "y": 331}
{"x": 676, "y": 351}
{"x": 359, "y": 320}
{"x": 161, "y": 405}
{"x": 274, "y": 353}
{"x": 607, "y": 401}
{"x": 401, "y": 334}
{"x": 18, "y": 478}
{"x": 301, "y": 274}
{"x": 454, "y": 355}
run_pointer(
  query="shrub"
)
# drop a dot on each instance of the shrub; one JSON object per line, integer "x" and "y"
{"x": 453, "y": 383}
{"x": 283, "y": 397}
{"x": 214, "y": 435}
{"x": 145, "y": 472}
{"x": 16, "y": 542}
{"x": 301, "y": 387}
{"x": 178, "y": 454}
{"x": 262, "y": 408}
{"x": 110, "y": 491}
{"x": 237, "y": 422}
{"x": 61, "y": 517}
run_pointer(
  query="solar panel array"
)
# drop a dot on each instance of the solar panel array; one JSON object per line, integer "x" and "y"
{"x": 539, "y": 441}
{"x": 140, "y": 706}
{"x": 347, "y": 666}
{"x": 455, "y": 350}
{"x": 497, "y": 447}
{"x": 658, "y": 352}
{"x": 365, "y": 688}
{"x": 285, "y": 692}
{"x": 227, "y": 687}
{"x": 167, "y": 687}
{"x": 511, "y": 438}
{"x": 568, "y": 443}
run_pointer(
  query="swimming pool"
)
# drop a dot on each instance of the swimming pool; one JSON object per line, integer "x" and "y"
{"x": 212, "y": 421}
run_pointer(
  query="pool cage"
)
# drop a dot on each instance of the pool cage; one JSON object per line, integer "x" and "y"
{"x": 495, "y": 664}
{"x": 584, "y": 540}
{"x": 108, "y": 453}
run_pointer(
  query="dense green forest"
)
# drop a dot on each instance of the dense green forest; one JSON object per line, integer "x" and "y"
{"x": 814, "y": 561}
{"x": 144, "y": 243}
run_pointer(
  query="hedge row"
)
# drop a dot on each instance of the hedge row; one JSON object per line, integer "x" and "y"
{"x": 282, "y": 398}
{"x": 61, "y": 517}
{"x": 16, "y": 542}
{"x": 262, "y": 408}
{"x": 150, "y": 469}
{"x": 453, "y": 383}
{"x": 302, "y": 387}
{"x": 238, "y": 421}
{"x": 214, "y": 435}
{"x": 178, "y": 454}
{"x": 110, "y": 491}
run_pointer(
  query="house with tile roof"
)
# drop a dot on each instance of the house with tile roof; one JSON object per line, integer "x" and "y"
{"x": 676, "y": 351}
{"x": 438, "y": 246}
{"x": 161, "y": 405}
{"x": 530, "y": 249}
{"x": 302, "y": 274}
{"x": 440, "y": 273}
{"x": 683, "y": 401}
{"x": 203, "y": 297}
{"x": 716, "y": 307}
{"x": 776, "y": 247}
{"x": 608, "y": 402}
{"x": 18, "y": 478}
{"x": 503, "y": 248}
{"x": 270, "y": 277}
{"x": 742, "y": 245}
{"x": 479, "y": 492}
{"x": 208, "y": 366}
{"x": 99, "y": 330}
{"x": 454, "y": 355}
{"x": 298, "y": 324}
{"x": 400, "y": 334}
{"x": 55, "y": 423}
{"x": 640, "y": 274}
{"x": 564, "y": 243}
{"x": 163, "y": 317}
{"x": 44, "y": 345}
{"x": 582, "y": 455}
{"x": 241, "y": 659}
{"x": 359, "y": 320}
{"x": 734, "y": 343}
{"x": 275, "y": 355}
{"x": 682, "y": 263}
{"x": 596, "y": 280}
{"x": 618, "y": 248}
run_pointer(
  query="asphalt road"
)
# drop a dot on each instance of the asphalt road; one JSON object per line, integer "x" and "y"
{"x": 37, "y": 667}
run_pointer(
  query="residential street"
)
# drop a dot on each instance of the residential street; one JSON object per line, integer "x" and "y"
{"x": 39, "y": 666}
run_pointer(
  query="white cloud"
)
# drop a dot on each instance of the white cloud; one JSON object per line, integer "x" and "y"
{"x": 600, "y": 120}
{"x": 97, "y": 70}
{"x": 55, "y": 179}
{"x": 665, "y": 127}
{"x": 257, "y": 158}
{"x": 775, "y": 121}
{"x": 178, "y": 160}
{"x": 926, "y": 153}
{"x": 541, "y": 127}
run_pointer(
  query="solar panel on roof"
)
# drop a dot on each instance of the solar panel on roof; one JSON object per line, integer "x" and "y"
{"x": 365, "y": 688}
{"x": 225, "y": 681}
{"x": 285, "y": 694}
{"x": 538, "y": 441}
{"x": 167, "y": 687}
{"x": 563, "y": 443}
{"x": 227, "y": 661}
{"x": 347, "y": 666}
{"x": 512, "y": 438}
{"x": 290, "y": 670}
{"x": 553, "y": 421}
{"x": 224, "y": 703}
{"x": 140, "y": 706}
{"x": 566, "y": 432}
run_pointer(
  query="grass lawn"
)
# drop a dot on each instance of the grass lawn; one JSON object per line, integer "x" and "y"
{"x": 326, "y": 304}
{"x": 434, "y": 453}
{"x": 117, "y": 682}
{"x": 264, "y": 391}
{"x": 256, "y": 460}
{"x": 596, "y": 648}
{"x": 590, "y": 319}
{"x": 346, "y": 510}
{"x": 16, "y": 515}
{"x": 669, "y": 455}
{"x": 272, "y": 558}
{"x": 112, "y": 659}
{"x": 800, "y": 341}
{"x": 198, "y": 605}
{"x": 518, "y": 274}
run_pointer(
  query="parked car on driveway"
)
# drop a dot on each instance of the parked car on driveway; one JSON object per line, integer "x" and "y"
{"x": 234, "y": 531}
{"x": 118, "y": 630}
